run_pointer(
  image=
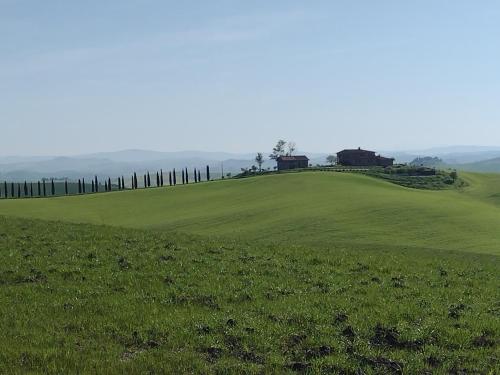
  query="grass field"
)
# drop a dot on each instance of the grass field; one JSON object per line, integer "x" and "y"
{"x": 307, "y": 208}
{"x": 308, "y": 272}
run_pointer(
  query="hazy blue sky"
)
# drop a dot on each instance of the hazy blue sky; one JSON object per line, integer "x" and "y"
{"x": 96, "y": 75}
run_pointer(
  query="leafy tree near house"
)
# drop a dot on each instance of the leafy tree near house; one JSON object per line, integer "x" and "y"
{"x": 259, "y": 159}
{"x": 331, "y": 159}
{"x": 278, "y": 150}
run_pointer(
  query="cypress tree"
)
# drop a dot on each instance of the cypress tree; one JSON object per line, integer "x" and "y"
{"x": 79, "y": 186}
{"x": 12, "y": 190}
{"x": 123, "y": 183}
{"x": 145, "y": 182}
{"x": 199, "y": 176}
{"x": 119, "y": 183}
{"x": 31, "y": 189}
{"x": 208, "y": 173}
{"x": 161, "y": 177}
{"x": 170, "y": 178}
{"x": 19, "y": 190}
{"x": 66, "y": 186}
{"x": 109, "y": 183}
{"x": 5, "y": 189}
{"x": 187, "y": 176}
{"x": 183, "y": 178}
{"x": 149, "y": 180}
{"x": 39, "y": 189}
{"x": 44, "y": 189}
{"x": 93, "y": 188}
{"x": 25, "y": 189}
{"x": 135, "y": 180}
{"x": 96, "y": 185}
{"x": 53, "y": 187}
{"x": 175, "y": 177}
{"x": 195, "y": 176}
{"x": 105, "y": 185}
{"x": 83, "y": 185}
{"x": 157, "y": 179}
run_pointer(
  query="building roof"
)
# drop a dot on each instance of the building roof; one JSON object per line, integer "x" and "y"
{"x": 293, "y": 158}
{"x": 358, "y": 150}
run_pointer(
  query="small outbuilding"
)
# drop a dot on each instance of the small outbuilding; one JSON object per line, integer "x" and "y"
{"x": 292, "y": 162}
{"x": 362, "y": 158}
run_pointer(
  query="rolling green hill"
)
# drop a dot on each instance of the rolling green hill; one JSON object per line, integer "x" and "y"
{"x": 303, "y": 208}
{"x": 297, "y": 273}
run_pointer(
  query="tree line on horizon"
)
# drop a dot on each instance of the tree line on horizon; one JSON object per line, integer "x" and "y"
{"x": 47, "y": 188}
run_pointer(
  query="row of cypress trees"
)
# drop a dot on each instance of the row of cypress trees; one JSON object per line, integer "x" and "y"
{"x": 40, "y": 189}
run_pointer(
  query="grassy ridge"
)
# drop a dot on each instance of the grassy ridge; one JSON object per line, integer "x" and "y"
{"x": 304, "y": 208}
{"x": 95, "y": 299}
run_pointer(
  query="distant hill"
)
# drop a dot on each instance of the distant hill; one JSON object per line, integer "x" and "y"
{"x": 491, "y": 166}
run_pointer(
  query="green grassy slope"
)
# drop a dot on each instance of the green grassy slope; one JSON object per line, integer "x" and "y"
{"x": 96, "y": 299}
{"x": 320, "y": 208}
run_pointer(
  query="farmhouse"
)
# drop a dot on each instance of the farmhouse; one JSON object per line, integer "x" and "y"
{"x": 292, "y": 162}
{"x": 362, "y": 158}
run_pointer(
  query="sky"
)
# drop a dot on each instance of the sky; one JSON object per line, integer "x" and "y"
{"x": 99, "y": 75}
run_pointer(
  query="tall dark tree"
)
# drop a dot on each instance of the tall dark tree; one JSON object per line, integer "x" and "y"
{"x": 25, "y": 189}
{"x": 109, "y": 183}
{"x": 39, "y": 189}
{"x": 195, "y": 176}
{"x": 123, "y": 183}
{"x": 79, "y": 186}
{"x": 157, "y": 179}
{"x": 119, "y": 183}
{"x": 12, "y": 191}
{"x": 208, "y": 173}
{"x": 93, "y": 186}
{"x": 174, "y": 176}
{"x": 96, "y": 185}
{"x": 44, "y": 188}
{"x": 187, "y": 176}
{"x": 135, "y": 181}
{"x": 52, "y": 187}
{"x": 161, "y": 177}
{"x": 199, "y": 176}
{"x": 31, "y": 189}
{"x": 149, "y": 180}
{"x": 83, "y": 185}
{"x": 105, "y": 185}
{"x": 183, "y": 178}
{"x": 145, "y": 182}
{"x": 66, "y": 186}
{"x": 5, "y": 193}
{"x": 19, "y": 190}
